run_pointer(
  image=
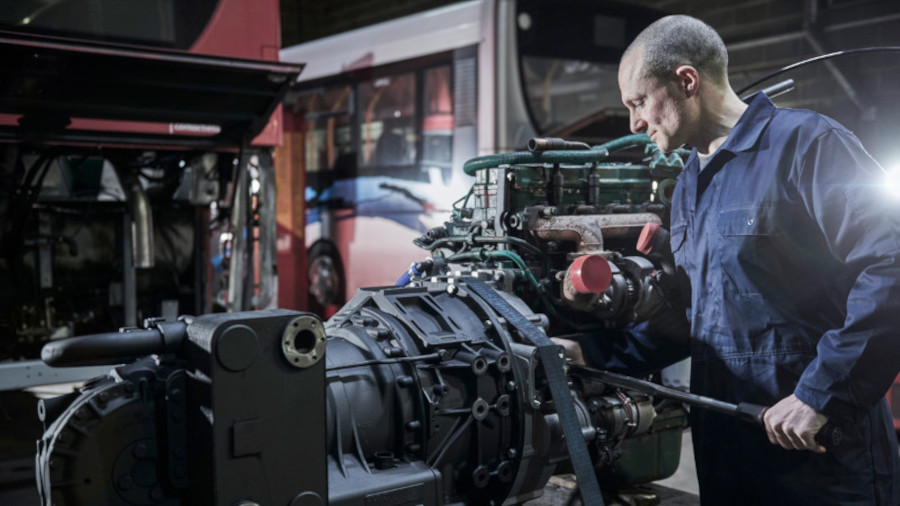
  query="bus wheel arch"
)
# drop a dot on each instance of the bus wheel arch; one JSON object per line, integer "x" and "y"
{"x": 325, "y": 275}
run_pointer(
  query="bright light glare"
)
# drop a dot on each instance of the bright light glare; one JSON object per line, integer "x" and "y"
{"x": 892, "y": 180}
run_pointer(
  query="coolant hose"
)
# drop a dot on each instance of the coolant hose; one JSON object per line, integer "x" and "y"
{"x": 592, "y": 155}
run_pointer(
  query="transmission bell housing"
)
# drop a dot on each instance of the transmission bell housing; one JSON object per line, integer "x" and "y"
{"x": 442, "y": 389}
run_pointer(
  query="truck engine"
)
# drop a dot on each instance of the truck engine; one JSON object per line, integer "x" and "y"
{"x": 444, "y": 388}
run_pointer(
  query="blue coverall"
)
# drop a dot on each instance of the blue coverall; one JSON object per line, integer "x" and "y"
{"x": 793, "y": 255}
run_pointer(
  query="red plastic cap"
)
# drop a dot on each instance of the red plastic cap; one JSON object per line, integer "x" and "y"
{"x": 590, "y": 274}
{"x": 647, "y": 238}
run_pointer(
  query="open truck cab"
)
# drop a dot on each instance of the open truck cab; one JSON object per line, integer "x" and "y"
{"x": 130, "y": 187}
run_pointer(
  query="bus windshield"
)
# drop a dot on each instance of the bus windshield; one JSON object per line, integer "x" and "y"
{"x": 568, "y": 58}
{"x": 564, "y": 92}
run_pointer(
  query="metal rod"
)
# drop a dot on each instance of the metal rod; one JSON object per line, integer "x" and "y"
{"x": 648, "y": 387}
{"x": 830, "y": 435}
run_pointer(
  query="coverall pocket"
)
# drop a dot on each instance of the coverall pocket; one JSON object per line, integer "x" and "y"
{"x": 749, "y": 220}
{"x": 749, "y": 272}
{"x": 747, "y": 251}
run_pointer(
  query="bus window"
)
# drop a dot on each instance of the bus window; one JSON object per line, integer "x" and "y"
{"x": 330, "y": 153}
{"x": 437, "y": 128}
{"x": 388, "y": 126}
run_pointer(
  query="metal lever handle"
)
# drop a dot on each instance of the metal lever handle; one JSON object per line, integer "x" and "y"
{"x": 830, "y": 435}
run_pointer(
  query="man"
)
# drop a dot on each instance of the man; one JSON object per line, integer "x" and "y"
{"x": 794, "y": 264}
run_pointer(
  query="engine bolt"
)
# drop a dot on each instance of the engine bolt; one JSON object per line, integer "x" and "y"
{"x": 380, "y": 334}
{"x": 536, "y": 403}
{"x": 452, "y": 289}
{"x": 392, "y": 351}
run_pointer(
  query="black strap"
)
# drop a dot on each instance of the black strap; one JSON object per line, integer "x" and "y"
{"x": 559, "y": 390}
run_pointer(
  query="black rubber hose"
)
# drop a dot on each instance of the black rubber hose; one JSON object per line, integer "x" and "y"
{"x": 112, "y": 348}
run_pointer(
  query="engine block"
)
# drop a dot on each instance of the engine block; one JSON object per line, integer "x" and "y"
{"x": 427, "y": 392}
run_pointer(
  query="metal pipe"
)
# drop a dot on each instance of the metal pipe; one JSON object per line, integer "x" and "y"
{"x": 801, "y": 34}
{"x": 588, "y": 233}
{"x": 129, "y": 280}
{"x": 765, "y": 41}
{"x": 142, "y": 222}
{"x": 848, "y": 88}
{"x": 811, "y": 30}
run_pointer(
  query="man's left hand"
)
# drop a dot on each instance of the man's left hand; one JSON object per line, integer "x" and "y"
{"x": 793, "y": 425}
{"x": 572, "y": 348}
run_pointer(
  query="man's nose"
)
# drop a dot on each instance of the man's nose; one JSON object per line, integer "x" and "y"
{"x": 638, "y": 125}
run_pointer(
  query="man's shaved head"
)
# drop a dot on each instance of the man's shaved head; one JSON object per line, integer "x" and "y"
{"x": 681, "y": 40}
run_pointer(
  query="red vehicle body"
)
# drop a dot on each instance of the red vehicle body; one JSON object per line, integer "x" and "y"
{"x": 115, "y": 114}
{"x": 893, "y": 398}
{"x": 244, "y": 29}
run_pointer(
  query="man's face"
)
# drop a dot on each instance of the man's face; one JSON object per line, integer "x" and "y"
{"x": 653, "y": 105}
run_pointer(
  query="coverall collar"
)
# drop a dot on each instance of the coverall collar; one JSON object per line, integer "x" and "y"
{"x": 745, "y": 134}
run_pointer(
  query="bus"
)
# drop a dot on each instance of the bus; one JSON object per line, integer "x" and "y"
{"x": 384, "y": 116}
{"x": 136, "y": 144}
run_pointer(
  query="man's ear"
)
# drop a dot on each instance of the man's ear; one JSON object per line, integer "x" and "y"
{"x": 688, "y": 80}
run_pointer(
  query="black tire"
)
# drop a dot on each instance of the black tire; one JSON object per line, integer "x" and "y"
{"x": 325, "y": 277}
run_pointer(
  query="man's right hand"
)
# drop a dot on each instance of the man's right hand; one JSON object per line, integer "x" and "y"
{"x": 793, "y": 424}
